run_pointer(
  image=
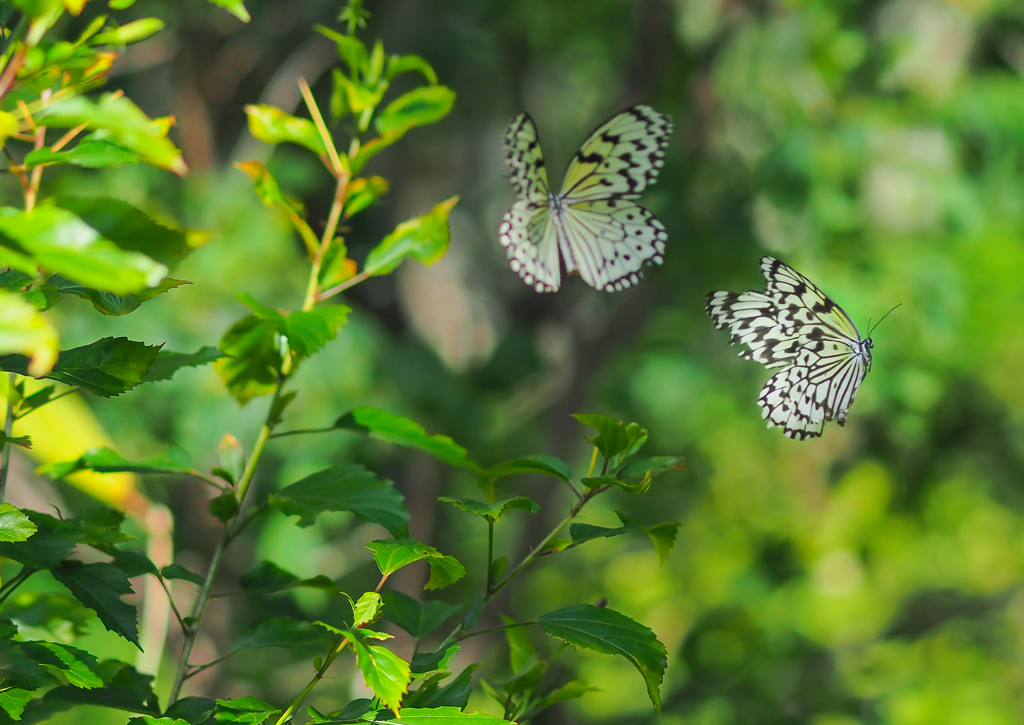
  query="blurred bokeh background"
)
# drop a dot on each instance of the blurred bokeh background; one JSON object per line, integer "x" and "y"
{"x": 871, "y": 576}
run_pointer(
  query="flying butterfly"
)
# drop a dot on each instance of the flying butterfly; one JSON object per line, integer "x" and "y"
{"x": 795, "y": 326}
{"x": 593, "y": 223}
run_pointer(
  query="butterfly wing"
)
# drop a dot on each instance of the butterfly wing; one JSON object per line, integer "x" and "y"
{"x": 608, "y": 237}
{"x": 609, "y": 240}
{"x": 527, "y": 230}
{"x": 796, "y": 326}
{"x": 620, "y": 158}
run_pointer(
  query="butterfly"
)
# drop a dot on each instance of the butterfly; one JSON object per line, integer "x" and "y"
{"x": 593, "y": 220}
{"x": 795, "y": 326}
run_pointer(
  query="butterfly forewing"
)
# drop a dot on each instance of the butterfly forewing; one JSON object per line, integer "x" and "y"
{"x": 796, "y": 326}
{"x": 620, "y": 158}
{"x": 525, "y": 158}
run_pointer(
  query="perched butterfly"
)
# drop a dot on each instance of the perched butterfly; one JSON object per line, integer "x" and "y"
{"x": 593, "y": 220}
{"x": 795, "y": 326}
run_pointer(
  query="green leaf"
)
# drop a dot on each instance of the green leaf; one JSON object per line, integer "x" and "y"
{"x": 244, "y": 711}
{"x": 193, "y": 710}
{"x": 230, "y": 457}
{"x": 498, "y": 568}
{"x": 426, "y": 662}
{"x": 520, "y": 649}
{"x": 362, "y": 192}
{"x": 223, "y": 507}
{"x": 108, "y": 303}
{"x": 133, "y": 32}
{"x": 663, "y": 536}
{"x": 384, "y": 672}
{"x": 607, "y": 631}
{"x": 123, "y": 121}
{"x": 418, "y": 107}
{"x": 251, "y": 360}
{"x": 274, "y": 126}
{"x": 26, "y": 332}
{"x": 280, "y": 632}
{"x": 53, "y": 541}
{"x": 61, "y": 242}
{"x": 614, "y": 440}
{"x": 425, "y": 238}
{"x": 373, "y": 147}
{"x": 307, "y": 331}
{"x": 493, "y": 511}
{"x": 89, "y": 153}
{"x": 392, "y": 555}
{"x": 177, "y": 571}
{"x": 542, "y": 465}
{"x": 346, "y": 487}
{"x": 124, "y": 688}
{"x": 168, "y": 362}
{"x": 367, "y": 610}
{"x": 571, "y": 690}
{"x": 402, "y": 431}
{"x": 147, "y": 720}
{"x": 417, "y": 618}
{"x": 132, "y": 562}
{"x": 269, "y": 192}
{"x": 350, "y": 49}
{"x": 599, "y": 481}
{"x": 105, "y": 460}
{"x": 132, "y": 229}
{"x": 635, "y": 471}
{"x": 235, "y": 7}
{"x": 266, "y": 577}
{"x": 445, "y": 716}
{"x": 100, "y": 587}
{"x": 455, "y": 694}
{"x": 107, "y": 367}
{"x": 410, "y": 63}
{"x": 356, "y": 96}
{"x": 70, "y": 666}
{"x": 13, "y": 701}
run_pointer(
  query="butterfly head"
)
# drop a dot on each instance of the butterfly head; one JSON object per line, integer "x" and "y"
{"x": 865, "y": 351}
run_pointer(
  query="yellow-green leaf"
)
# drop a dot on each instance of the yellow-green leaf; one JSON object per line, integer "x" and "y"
{"x": 425, "y": 238}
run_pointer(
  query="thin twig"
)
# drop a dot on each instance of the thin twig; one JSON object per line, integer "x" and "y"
{"x": 7, "y": 589}
{"x": 511, "y": 625}
{"x": 177, "y": 614}
{"x": 5, "y": 453}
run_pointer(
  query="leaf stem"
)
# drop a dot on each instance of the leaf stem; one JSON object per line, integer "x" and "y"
{"x": 318, "y": 675}
{"x": 342, "y": 287}
{"x": 490, "y": 555}
{"x": 174, "y": 608}
{"x": 5, "y": 453}
{"x": 511, "y": 625}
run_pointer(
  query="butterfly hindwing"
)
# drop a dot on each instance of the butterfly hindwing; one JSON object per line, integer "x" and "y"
{"x": 796, "y": 326}
{"x": 531, "y": 244}
{"x": 609, "y": 241}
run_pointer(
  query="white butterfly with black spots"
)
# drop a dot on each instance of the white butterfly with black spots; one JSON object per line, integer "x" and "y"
{"x": 593, "y": 221}
{"x": 795, "y": 326}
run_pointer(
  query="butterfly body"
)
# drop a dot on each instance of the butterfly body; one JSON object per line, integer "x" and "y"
{"x": 591, "y": 224}
{"x": 795, "y": 326}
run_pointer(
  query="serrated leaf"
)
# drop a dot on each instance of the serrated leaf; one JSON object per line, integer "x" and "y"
{"x": 132, "y": 229}
{"x": 347, "y": 487}
{"x": 168, "y": 362}
{"x": 367, "y": 609}
{"x": 609, "y": 632}
{"x": 636, "y": 471}
{"x": 147, "y": 720}
{"x": 124, "y": 688}
{"x": 520, "y": 649}
{"x": 89, "y": 153}
{"x": 108, "y": 303}
{"x": 124, "y": 121}
{"x": 424, "y": 662}
{"x": 63, "y": 243}
{"x": 280, "y": 632}
{"x": 193, "y": 710}
{"x": 417, "y": 618}
{"x": 26, "y": 332}
{"x": 14, "y": 524}
{"x": 56, "y": 538}
{"x": 251, "y": 361}
{"x": 454, "y": 694}
{"x": 493, "y": 511}
{"x": 425, "y": 238}
{"x": 223, "y": 507}
{"x": 132, "y": 562}
{"x": 100, "y": 587}
{"x": 267, "y": 577}
{"x": 244, "y": 711}
{"x": 272, "y": 125}
{"x": 663, "y": 536}
{"x": 105, "y": 460}
{"x": 13, "y": 701}
{"x": 392, "y": 555}
{"x": 107, "y": 367}
{"x": 69, "y": 665}
{"x": 177, "y": 571}
{"x": 384, "y": 672}
{"x": 402, "y": 431}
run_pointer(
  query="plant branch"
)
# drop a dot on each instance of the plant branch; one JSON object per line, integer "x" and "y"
{"x": 342, "y": 287}
{"x": 303, "y": 431}
{"x": 69, "y": 391}
{"x": 7, "y": 589}
{"x": 318, "y": 675}
{"x": 196, "y": 669}
{"x": 490, "y": 555}
{"x": 5, "y": 453}
{"x": 174, "y": 608}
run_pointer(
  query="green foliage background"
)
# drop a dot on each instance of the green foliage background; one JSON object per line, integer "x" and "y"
{"x": 872, "y": 576}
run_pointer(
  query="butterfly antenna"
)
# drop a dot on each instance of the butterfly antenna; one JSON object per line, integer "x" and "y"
{"x": 871, "y": 329}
